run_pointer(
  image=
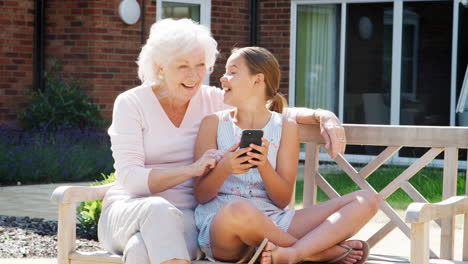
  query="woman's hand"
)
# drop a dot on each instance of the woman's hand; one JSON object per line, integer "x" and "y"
{"x": 207, "y": 162}
{"x": 333, "y": 132}
{"x": 262, "y": 156}
{"x": 232, "y": 160}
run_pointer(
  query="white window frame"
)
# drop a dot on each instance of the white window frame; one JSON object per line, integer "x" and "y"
{"x": 396, "y": 67}
{"x": 205, "y": 9}
{"x": 205, "y": 16}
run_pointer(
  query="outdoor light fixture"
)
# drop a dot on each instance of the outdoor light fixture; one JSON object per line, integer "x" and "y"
{"x": 129, "y": 11}
{"x": 365, "y": 28}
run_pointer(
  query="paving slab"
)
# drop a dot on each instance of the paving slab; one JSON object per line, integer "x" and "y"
{"x": 31, "y": 200}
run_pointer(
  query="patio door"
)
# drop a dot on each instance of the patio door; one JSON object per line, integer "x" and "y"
{"x": 379, "y": 62}
{"x": 316, "y": 56}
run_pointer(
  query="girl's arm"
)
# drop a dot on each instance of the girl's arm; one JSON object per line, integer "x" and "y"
{"x": 207, "y": 186}
{"x": 280, "y": 183}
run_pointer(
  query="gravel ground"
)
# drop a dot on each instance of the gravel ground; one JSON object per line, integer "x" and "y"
{"x": 24, "y": 237}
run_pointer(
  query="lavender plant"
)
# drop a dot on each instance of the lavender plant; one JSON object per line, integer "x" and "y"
{"x": 62, "y": 154}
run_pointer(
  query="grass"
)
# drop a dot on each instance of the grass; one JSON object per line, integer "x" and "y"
{"x": 428, "y": 182}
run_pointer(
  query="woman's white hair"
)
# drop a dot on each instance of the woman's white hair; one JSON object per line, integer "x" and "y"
{"x": 170, "y": 38}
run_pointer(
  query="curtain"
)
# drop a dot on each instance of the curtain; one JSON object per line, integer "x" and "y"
{"x": 316, "y": 60}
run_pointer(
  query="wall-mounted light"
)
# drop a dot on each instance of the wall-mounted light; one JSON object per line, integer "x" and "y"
{"x": 129, "y": 11}
{"x": 365, "y": 28}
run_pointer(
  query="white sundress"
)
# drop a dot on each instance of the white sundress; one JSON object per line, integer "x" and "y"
{"x": 248, "y": 185}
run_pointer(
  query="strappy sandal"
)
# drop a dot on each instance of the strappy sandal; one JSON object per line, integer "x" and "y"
{"x": 365, "y": 253}
{"x": 258, "y": 252}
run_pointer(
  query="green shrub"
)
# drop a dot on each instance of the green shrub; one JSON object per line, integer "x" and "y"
{"x": 62, "y": 104}
{"x": 88, "y": 213}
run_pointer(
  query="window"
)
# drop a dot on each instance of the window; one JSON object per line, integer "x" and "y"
{"x": 397, "y": 62}
{"x": 197, "y": 10}
{"x": 316, "y": 56}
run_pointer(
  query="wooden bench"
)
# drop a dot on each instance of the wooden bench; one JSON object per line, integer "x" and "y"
{"x": 438, "y": 139}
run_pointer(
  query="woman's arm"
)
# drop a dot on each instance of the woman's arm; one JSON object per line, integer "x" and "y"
{"x": 330, "y": 126}
{"x": 280, "y": 183}
{"x": 129, "y": 155}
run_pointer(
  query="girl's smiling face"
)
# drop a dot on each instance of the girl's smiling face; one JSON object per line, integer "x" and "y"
{"x": 237, "y": 82}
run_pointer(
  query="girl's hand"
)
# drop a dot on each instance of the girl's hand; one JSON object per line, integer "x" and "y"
{"x": 232, "y": 160}
{"x": 207, "y": 162}
{"x": 262, "y": 156}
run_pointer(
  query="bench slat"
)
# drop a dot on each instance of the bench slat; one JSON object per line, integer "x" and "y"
{"x": 383, "y": 135}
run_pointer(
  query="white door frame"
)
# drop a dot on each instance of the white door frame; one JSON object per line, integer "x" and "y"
{"x": 396, "y": 64}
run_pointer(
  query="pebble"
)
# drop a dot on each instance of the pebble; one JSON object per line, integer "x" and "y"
{"x": 24, "y": 237}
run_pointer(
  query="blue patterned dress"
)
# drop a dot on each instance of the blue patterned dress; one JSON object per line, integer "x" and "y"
{"x": 248, "y": 185}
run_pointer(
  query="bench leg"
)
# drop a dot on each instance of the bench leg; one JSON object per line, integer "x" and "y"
{"x": 420, "y": 243}
{"x": 66, "y": 233}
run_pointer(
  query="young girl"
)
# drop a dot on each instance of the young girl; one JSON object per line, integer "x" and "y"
{"x": 240, "y": 205}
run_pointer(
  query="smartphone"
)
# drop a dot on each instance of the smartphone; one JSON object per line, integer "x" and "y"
{"x": 251, "y": 136}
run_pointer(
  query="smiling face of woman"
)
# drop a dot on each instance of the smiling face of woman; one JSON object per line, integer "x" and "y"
{"x": 183, "y": 76}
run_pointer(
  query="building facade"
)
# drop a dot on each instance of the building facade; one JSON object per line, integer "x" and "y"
{"x": 369, "y": 61}
{"x": 97, "y": 47}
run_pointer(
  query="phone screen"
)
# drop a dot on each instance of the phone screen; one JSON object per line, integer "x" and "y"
{"x": 251, "y": 136}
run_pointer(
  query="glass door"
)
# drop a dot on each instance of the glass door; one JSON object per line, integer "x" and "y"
{"x": 317, "y": 59}
{"x": 426, "y": 63}
{"x": 368, "y": 64}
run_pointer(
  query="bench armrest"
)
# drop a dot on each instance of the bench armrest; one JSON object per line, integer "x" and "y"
{"x": 425, "y": 212}
{"x": 75, "y": 194}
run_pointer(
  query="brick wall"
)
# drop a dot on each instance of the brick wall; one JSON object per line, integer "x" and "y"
{"x": 16, "y": 56}
{"x": 96, "y": 46}
{"x": 230, "y": 24}
{"x": 231, "y": 28}
{"x": 274, "y": 33}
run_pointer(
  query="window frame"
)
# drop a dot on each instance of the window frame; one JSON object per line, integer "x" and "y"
{"x": 396, "y": 65}
{"x": 205, "y": 9}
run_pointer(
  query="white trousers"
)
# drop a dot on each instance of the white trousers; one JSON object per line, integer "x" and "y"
{"x": 148, "y": 230}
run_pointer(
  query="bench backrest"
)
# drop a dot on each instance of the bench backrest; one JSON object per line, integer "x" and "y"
{"x": 438, "y": 139}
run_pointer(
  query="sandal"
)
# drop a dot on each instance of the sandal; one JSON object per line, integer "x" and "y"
{"x": 365, "y": 253}
{"x": 258, "y": 252}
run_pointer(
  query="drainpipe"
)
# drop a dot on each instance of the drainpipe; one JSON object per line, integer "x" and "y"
{"x": 38, "y": 82}
{"x": 143, "y": 16}
{"x": 253, "y": 22}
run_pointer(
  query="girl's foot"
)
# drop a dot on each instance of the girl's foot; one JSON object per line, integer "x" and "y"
{"x": 348, "y": 252}
{"x": 272, "y": 254}
{"x": 352, "y": 251}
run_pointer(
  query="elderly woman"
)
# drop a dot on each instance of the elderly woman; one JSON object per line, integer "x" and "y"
{"x": 148, "y": 215}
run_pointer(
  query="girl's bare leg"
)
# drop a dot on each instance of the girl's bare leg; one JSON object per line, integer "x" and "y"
{"x": 176, "y": 261}
{"x": 238, "y": 226}
{"x": 343, "y": 217}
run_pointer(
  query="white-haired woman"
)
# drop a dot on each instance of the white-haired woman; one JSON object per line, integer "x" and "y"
{"x": 148, "y": 215}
